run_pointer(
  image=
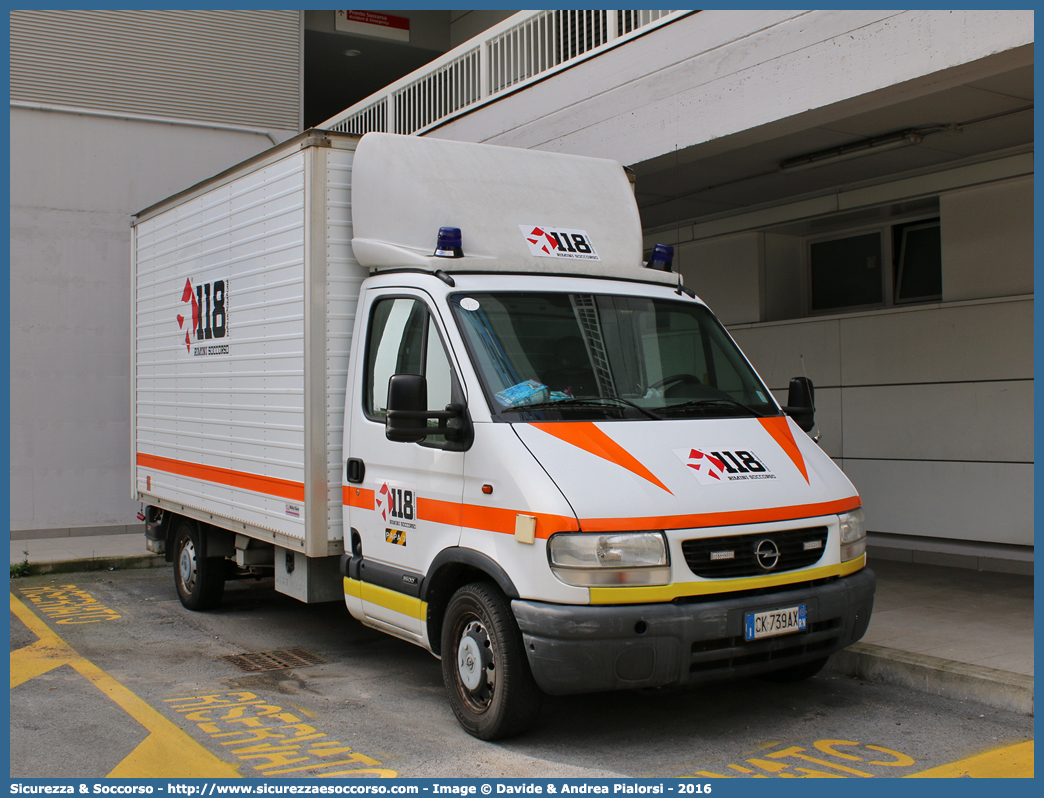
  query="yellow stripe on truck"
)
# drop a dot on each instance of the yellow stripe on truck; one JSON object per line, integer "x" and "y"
{"x": 664, "y": 593}
{"x": 389, "y": 599}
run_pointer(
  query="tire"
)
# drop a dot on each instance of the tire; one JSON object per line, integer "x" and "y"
{"x": 200, "y": 580}
{"x": 484, "y": 665}
{"x": 797, "y": 673}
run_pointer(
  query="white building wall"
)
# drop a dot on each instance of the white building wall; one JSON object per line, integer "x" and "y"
{"x": 929, "y": 410}
{"x": 75, "y": 181}
{"x": 986, "y": 250}
{"x": 725, "y": 273}
{"x": 112, "y": 111}
{"x": 234, "y": 67}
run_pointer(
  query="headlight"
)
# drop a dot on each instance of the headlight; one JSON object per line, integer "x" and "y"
{"x": 853, "y": 534}
{"x": 618, "y": 558}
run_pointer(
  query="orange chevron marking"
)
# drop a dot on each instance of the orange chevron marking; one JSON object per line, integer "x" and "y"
{"x": 585, "y": 435}
{"x": 779, "y": 428}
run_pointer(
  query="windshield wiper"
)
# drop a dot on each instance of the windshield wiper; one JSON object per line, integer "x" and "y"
{"x": 581, "y": 402}
{"x": 722, "y": 400}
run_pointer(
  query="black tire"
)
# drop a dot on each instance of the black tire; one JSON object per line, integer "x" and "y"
{"x": 484, "y": 665}
{"x": 797, "y": 673}
{"x": 200, "y": 580}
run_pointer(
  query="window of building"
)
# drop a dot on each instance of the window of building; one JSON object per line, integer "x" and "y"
{"x": 917, "y": 262}
{"x": 886, "y": 265}
{"x": 846, "y": 272}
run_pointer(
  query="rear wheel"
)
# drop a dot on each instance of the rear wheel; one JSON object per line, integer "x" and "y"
{"x": 200, "y": 580}
{"x": 798, "y": 673}
{"x": 484, "y": 665}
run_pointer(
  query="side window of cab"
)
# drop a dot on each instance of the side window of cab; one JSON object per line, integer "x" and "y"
{"x": 404, "y": 339}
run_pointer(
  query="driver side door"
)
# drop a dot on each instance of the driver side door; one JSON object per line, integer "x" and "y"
{"x": 416, "y": 489}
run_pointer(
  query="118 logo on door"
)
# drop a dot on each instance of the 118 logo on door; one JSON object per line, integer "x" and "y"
{"x": 397, "y": 504}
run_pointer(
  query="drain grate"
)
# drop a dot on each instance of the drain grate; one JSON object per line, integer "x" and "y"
{"x": 274, "y": 660}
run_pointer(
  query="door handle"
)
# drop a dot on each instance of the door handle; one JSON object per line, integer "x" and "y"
{"x": 356, "y": 470}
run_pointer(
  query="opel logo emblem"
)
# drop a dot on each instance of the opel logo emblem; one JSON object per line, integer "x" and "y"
{"x": 767, "y": 553}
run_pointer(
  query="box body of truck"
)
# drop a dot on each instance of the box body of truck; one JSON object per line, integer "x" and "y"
{"x": 437, "y": 381}
{"x": 244, "y": 291}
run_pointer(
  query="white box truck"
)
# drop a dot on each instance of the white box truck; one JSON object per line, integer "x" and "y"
{"x": 437, "y": 381}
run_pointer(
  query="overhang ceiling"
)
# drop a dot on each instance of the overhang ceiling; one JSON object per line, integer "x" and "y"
{"x": 736, "y": 172}
{"x": 334, "y": 81}
{"x": 726, "y": 175}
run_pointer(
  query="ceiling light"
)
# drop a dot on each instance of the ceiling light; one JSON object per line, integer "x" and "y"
{"x": 850, "y": 151}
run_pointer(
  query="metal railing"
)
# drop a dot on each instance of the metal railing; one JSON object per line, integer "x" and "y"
{"x": 523, "y": 48}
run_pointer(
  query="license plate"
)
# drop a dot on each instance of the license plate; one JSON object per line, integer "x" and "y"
{"x": 775, "y": 622}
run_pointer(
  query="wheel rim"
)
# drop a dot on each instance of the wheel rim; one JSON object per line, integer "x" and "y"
{"x": 476, "y": 666}
{"x": 187, "y": 565}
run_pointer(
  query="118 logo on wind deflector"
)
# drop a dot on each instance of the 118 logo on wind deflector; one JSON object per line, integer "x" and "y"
{"x": 208, "y": 303}
{"x": 557, "y": 242}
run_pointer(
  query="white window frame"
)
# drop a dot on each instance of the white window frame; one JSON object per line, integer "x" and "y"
{"x": 931, "y": 221}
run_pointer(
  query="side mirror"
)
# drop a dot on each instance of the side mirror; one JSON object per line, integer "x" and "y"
{"x": 801, "y": 403}
{"x": 407, "y": 420}
{"x": 408, "y": 416}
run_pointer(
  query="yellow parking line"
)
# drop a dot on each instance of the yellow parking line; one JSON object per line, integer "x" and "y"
{"x": 1014, "y": 761}
{"x": 166, "y": 752}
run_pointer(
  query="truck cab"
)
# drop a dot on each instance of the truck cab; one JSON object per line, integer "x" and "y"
{"x": 563, "y": 475}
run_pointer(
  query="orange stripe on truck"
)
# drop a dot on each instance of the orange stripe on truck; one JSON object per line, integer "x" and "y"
{"x": 439, "y": 512}
{"x": 270, "y": 486}
{"x": 495, "y": 519}
{"x": 734, "y": 518}
{"x": 498, "y": 519}
{"x": 363, "y": 498}
{"x": 585, "y": 435}
{"x": 490, "y": 519}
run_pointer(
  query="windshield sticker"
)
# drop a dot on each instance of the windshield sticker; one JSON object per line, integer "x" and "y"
{"x": 470, "y": 303}
{"x": 558, "y": 242}
{"x": 717, "y": 468}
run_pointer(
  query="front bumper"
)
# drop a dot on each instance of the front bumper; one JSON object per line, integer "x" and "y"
{"x": 581, "y": 649}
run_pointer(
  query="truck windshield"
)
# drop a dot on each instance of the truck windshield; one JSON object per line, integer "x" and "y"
{"x": 566, "y": 357}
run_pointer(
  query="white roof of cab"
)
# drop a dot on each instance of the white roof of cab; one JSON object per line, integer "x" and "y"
{"x": 404, "y": 188}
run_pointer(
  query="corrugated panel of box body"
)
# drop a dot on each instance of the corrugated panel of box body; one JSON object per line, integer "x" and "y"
{"x": 343, "y": 281}
{"x": 220, "y": 415}
{"x": 226, "y": 67}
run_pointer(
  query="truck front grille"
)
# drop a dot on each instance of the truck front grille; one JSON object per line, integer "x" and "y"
{"x": 737, "y": 555}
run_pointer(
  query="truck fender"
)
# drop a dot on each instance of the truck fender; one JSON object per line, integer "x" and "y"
{"x": 453, "y": 568}
{"x": 458, "y": 555}
{"x": 216, "y": 542}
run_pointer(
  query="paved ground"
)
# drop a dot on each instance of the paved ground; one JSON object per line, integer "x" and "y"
{"x": 111, "y": 676}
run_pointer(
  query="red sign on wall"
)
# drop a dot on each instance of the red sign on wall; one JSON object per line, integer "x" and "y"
{"x": 374, "y": 23}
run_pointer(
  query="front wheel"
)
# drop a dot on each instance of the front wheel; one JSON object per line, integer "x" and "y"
{"x": 484, "y": 665}
{"x": 200, "y": 580}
